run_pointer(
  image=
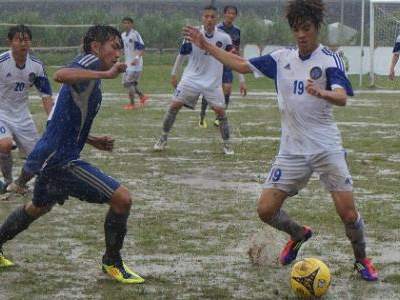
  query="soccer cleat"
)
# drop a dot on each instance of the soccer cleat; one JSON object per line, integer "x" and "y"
{"x": 143, "y": 99}
{"x": 130, "y": 106}
{"x": 203, "y": 123}
{"x": 289, "y": 253}
{"x": 122, "y": 273}
{"x": 366, "y": 269}
{"x": 4, "y": 262}
{"x": 161, "y": 144}
{"x": 228, "y": 150}
{"x": 13, "y": 187}
{"x": 216, "y": 123}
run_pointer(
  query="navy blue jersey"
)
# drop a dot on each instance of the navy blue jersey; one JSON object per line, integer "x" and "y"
{"x": 70, "y": 120}
{"x": 234, "y": 33}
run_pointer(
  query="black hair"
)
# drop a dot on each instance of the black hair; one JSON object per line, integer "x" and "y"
{"x": 210, "y": 7}
{"x": 129, "y": 19}
{"x": 19, "y": 29}
{"x": 301, "y": 11}
{"x": 101, "y": 34}
{"x": 226, "y": 8}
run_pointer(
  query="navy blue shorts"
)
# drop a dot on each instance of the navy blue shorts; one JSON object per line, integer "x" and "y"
{"x": 227, "y": 76}
{"x": 77, "y": 179}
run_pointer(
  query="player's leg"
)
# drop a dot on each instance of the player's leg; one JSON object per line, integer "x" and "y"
{"x": 227, "y": 79}
{"x": 336, "y": 178}
{"x": 141, "y": 95}
{"x": 202, "y": 121}
{"x": 23, "y": 216}
{"x": 88, "y": 183}
{"x": 6, "y": 145}
{"x": 288, "y": 175}
{"x": 184, "y": 95}
{"x": 354, "y": 228}
{"x": 127, "y": 82}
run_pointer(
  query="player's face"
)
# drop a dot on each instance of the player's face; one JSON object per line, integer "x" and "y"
{"x": 230, "y": 16}
{"x": 209, "y": 18}
{"x": 20, "y": 44}
{"x": 127, "y": 25}
{"x": 109, "y": 52}
{"x": 306, "y": 36}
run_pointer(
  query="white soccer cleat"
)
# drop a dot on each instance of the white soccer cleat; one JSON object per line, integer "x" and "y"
{"x": 161, "y": 144}
{"x": 15, "y": 188}
{"x": 228, "y": 150}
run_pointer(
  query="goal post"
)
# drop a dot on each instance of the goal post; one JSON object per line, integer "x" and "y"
{"x": 384, "y": 27}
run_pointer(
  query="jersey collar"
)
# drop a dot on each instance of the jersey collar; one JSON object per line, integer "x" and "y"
{"x": 306, "y": 57}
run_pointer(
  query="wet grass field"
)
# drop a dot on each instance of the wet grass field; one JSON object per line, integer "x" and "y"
{"x": 194, "y": 214}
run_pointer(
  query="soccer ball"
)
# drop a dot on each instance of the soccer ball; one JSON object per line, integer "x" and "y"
{"x": 310, "y": 278}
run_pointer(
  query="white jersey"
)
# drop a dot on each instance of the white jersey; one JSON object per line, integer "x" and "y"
{"x": 15, "y": 82}
{"x": 132, "y": 44}
{"x": 307, "y": 122}
{"x": 203, "y": 70}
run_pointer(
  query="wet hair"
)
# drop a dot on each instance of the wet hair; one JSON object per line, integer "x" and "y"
{"x": 14, "y": 30}
{"x": 302, "y": 11}
{"x": 101, "y": 34}
{"x": 129, "y": 19}
{"x": 228, "y": 7}
{"x": 210, "y": 7}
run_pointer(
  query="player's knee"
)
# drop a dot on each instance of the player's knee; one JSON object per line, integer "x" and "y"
{"x": 6, "y": 145}
{"x": 35, "y": 211}
{"x": 265, "y": 212}
{"x": 121, "y": 201}
{"x": 220, "y": 112}
{"x": 349, "y": 217}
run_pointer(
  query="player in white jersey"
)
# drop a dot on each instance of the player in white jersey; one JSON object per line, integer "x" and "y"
{"x": 133, "y": 51}
{"x": 395, "y": 57}
{"x": 18, "y": 72}
{"x": 203, "y": 76}
{"x": 309, "y": 81}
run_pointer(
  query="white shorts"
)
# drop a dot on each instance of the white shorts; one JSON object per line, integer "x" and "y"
{"x": 188, "y": 95}
{"x": 24, "y": 134}
{"x": 291, "y": 173}
{"x": 130, "y": 77}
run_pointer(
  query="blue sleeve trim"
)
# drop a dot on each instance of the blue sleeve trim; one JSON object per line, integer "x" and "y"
{"x": 337, "y": 76}
{"x": 266, "y": 65}
{"x": 43, "y": 85}
{"x": 139, "y": 46}
{"x": 186, "y": 49}
{"x": 396, "y": 48}
{"x": 229, "y": 48}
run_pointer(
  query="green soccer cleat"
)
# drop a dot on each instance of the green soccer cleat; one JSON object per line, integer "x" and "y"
{"x": 4, "y": 262}
{"x": 122, "y": 273}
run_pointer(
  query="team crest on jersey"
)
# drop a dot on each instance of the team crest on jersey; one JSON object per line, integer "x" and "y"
{"x": 130, "y": 41}
{"x": 316, "y": 73}
{"x": 218, "y": 44}
{"x": 31, "y": 78}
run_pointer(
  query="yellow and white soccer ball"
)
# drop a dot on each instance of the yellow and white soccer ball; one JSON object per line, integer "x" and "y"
{"x": 310, "y": 278}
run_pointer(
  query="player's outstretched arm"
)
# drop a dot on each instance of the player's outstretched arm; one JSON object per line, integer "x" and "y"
{"x": 105, "y": 143}
{"x": 47, "y": 104}
{"x": 230, "y": 60}
{"x": 74, "y": 75}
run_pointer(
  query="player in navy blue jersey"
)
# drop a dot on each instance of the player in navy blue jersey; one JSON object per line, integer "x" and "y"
{"x": 310, "y": 80}
{"x": 228, "y": 26}
{"x": 56, "y": 156}
{"x": 395, "y": 58}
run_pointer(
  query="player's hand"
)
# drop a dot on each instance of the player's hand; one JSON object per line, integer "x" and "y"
{"x": 314, "y": 89}
{"x": 114, "y": 71}
{"x": 174, "y": 81}
{"x": 391, "y": 74}
{"x": 194, "y": 35}
{"x": 105, "y": 143}
{"x": 243, "y": 89}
